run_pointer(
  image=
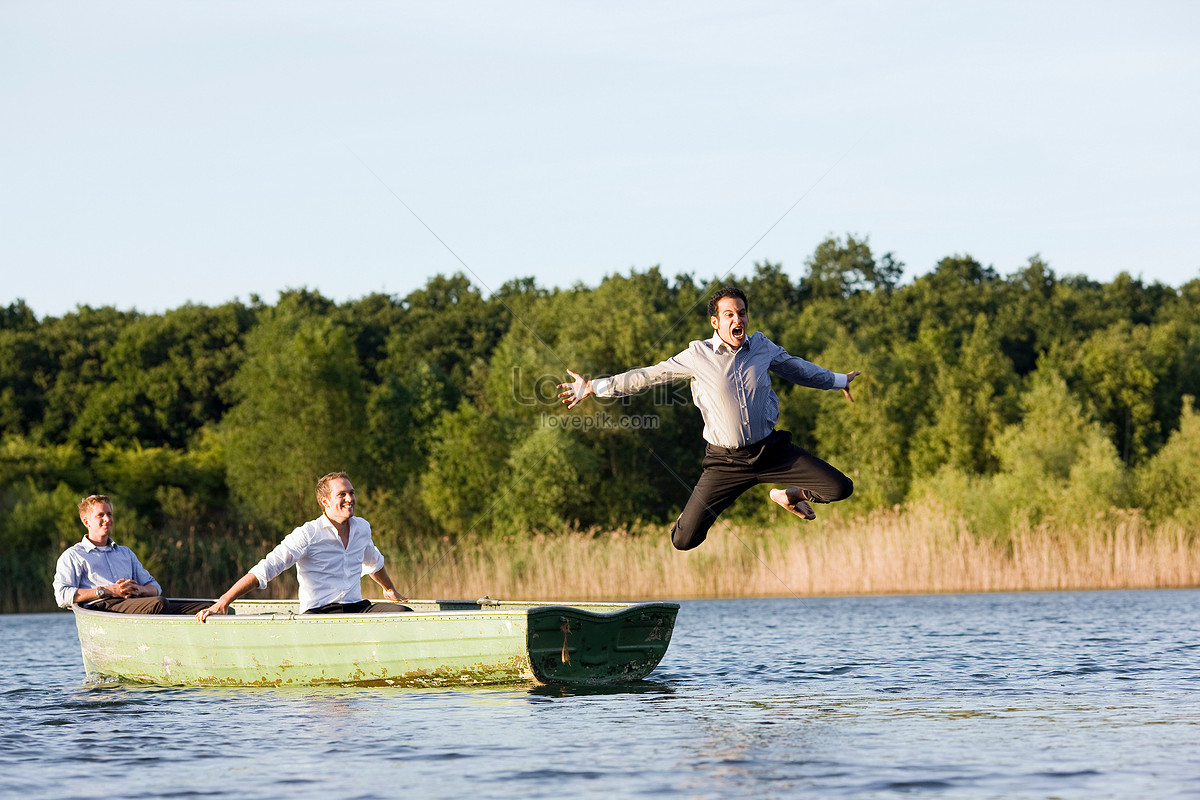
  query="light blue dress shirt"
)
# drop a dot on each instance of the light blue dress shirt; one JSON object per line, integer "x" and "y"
{"x": 731, "y": 387}
{"x": 86, "y": 566}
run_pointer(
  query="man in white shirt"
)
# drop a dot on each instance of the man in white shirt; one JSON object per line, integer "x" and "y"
{"x": 331, "y": 554}
{"x": 100, "y": 574}
{"x": 731, "y": 385}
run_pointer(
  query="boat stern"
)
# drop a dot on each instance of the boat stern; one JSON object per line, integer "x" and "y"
{"x": 570, "y": 645}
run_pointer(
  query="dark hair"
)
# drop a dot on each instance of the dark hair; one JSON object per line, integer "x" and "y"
{"x": 721, "y": 294}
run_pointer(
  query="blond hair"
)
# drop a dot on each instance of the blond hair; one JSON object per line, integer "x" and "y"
{"x": 92, "y": 500}
{"x": 323, "y": 483}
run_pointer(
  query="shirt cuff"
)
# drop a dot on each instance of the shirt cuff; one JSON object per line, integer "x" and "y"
{"x": 600, "y": 387}
{"x": 840, "y": 380}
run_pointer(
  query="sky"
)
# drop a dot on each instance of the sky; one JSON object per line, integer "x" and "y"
{"x": 154, "y": 154}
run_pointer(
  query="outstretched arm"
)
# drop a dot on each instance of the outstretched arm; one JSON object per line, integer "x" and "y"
{"x": 805, "y": 373}
{"x": 626, "y": 383}
{"x": 573, "y": 393}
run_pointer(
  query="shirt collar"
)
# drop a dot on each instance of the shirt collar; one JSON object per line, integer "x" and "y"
{"x": 719, "y": 345}
{"x": 327, "y": 524}
{"x": 89, "y": 545}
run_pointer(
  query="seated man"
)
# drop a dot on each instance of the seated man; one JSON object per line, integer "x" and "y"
{"x": 100, "y": 574}
{"x": 331, "y": 554}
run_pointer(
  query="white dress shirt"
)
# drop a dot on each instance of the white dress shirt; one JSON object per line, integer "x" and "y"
{"x": 327, "y": 572}
{"x": 731, "y": 387}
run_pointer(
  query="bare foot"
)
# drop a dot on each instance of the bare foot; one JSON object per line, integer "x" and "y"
{"x": 798, "y": 506}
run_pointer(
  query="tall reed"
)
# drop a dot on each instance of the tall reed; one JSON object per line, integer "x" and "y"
{"x": 915, "y": 551}
{"x": 889, "y": 552}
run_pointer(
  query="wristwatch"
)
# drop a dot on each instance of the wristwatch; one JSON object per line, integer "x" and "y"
{"x": 101, "y": 593}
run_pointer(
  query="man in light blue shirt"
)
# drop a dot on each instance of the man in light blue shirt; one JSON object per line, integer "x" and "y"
{"x": 730, "y": 375}
{"x": 102, "y": 575}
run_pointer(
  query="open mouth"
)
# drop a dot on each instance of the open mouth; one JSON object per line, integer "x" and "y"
{"x": 737, "y": 331}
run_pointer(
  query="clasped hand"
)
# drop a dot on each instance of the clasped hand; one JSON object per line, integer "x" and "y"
{"x": 127, "y": 587}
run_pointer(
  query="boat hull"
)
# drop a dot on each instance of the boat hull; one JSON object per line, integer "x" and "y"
{"x": 266, "y": 643}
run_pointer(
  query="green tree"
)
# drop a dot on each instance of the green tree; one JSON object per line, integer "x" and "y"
{"x": 1169, "y": 482}
{"x": 551, "y": 476}
{"x": 1055, "y": 467}
{"x": 1055, "y": 463}
{"x": 838, "y": 269}
{"x": 70, "y": 366}
{"x": 300, "y": 413}
{"x": 22, "y": 362}
{"x": 974, "y": 396}
{"x": 952, "y": 296}
{"x": 165, "y": 377}
{"x": 401, "y": 413}
{"x": 448, "y": 324}
{"x": 467, "y": 477}
{"x": 370, "y": 322}
{"x": 1118, "y": 371}
{"x": 865, "y": 439}
{"x": 162, "y": 483}
{"x": 37, "y": 525}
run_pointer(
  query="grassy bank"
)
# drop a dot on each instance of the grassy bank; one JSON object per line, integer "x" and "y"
{"x": 917, "y": 551}
{"x": 889, "y": 552}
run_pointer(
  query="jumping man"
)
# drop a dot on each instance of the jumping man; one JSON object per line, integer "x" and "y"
{"x": 731, "y": 385}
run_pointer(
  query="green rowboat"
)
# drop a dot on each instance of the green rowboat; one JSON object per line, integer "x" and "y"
{"x": 267, "y": 643}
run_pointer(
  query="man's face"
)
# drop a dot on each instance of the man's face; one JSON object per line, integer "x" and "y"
{"x": 731, "y": 321}
{"x": 98, "y": 519}
{"x": 339, "y": 506}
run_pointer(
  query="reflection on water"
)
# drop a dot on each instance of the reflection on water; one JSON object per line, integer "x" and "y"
{"x": 631, "y": 688}
{"x": 1035, "y": 695}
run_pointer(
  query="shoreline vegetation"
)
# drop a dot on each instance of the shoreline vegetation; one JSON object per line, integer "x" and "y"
{"x": 1025, "y": 431}
{"x": 918, "y": 550}
{"x": 886, "y": 552}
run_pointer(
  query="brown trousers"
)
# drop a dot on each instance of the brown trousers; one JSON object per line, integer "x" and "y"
{"x": 148, "y": 605}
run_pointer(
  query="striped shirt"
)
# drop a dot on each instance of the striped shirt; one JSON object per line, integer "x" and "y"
{"x": 731, "y": 387}
{"x": 85, "y": 565}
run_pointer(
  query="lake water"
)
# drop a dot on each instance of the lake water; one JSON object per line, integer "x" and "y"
{"x": 1080, "y": 695}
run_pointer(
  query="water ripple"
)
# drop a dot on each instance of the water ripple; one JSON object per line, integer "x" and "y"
{"x": 1031, "y": 695}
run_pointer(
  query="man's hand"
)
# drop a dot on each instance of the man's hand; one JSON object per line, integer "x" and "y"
{"x": 216, "y": 608}
{"x": 126, "y": 587}
{"x": 572, "y": 393}
{"x": 846, "y": 389}
{"x": 393, "y": 595}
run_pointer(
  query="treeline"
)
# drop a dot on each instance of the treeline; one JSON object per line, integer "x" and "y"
{"x": 1016, "y": 399}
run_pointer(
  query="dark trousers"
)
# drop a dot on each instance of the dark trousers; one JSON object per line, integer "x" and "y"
{"x": 729, "y": 472}
{"x": 361, "y": 607}
{"x": 148, "y": 605}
